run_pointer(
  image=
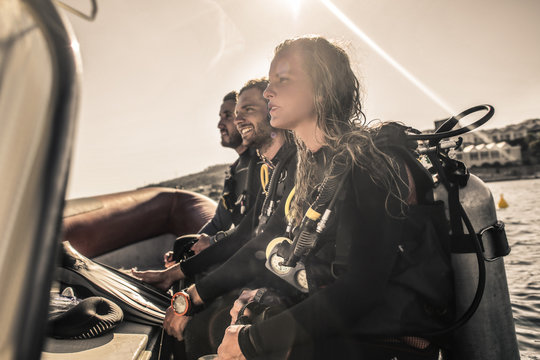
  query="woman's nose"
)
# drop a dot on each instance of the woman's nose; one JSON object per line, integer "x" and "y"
{"x": 268, "y": 93}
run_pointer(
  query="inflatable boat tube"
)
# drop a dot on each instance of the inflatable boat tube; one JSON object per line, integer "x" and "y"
{"x": 100, "y": 224}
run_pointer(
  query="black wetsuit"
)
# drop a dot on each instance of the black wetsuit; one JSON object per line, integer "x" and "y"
{"x": 247, "y": 264}
{"x": 364, "y": 312}
{"x": 236, "y": 237}
{"x": 228, "y": 211}
{"x": 205, "y": 330}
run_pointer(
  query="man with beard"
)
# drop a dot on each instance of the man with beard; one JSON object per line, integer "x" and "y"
{"x": 234, "y": 203}
{"x": 253, "y": 122}
{"x": 238, "y": 190}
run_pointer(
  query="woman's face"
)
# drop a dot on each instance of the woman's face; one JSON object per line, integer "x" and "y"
{"x": 290, "y": 93}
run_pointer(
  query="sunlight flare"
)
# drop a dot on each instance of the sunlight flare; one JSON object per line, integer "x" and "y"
{"x": 373, "y": 45}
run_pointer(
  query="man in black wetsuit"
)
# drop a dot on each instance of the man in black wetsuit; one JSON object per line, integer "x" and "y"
{"x": 279, "y": 157}
{"x": 253, "y": 123}
{"x": 271, "y": 145}
{"x": 239, "y": 194}
{"x": 228, "y": 211}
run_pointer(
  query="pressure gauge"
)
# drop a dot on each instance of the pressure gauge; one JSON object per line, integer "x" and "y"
{"x": 276, "y": 261}
{"x": 301, "y": 279}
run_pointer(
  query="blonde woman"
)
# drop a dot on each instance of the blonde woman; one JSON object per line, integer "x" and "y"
{"x": 376, "y": 306}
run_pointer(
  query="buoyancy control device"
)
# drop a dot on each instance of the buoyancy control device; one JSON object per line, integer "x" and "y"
{"x": 484, "y": 327}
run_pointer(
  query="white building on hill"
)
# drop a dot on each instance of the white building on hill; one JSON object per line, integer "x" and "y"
{"x": 489, "y": 154}
{"x": 507, "y": 133}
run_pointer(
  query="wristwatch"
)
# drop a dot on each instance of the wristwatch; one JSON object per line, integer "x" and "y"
{"x": 182, "y": 304}
{"x": 220, "y": 235}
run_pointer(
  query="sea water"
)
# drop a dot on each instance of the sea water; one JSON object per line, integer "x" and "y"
{"x": 522, "y": 220}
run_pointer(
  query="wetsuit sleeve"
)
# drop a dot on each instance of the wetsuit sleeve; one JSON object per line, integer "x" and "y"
{"x": 223, "y": 249}
{"x": 338, "y": 307}
{"x": 246, "y": 264}
{"x": 236, "y": 237}
{"x": 221, "y": 221}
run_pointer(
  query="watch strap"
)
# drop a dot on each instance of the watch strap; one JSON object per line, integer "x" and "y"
{"x": 244, "y": 342}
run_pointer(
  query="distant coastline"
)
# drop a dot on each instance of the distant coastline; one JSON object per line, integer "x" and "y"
{"x": 209, "y": 182}
{"x": 516, "y": 172}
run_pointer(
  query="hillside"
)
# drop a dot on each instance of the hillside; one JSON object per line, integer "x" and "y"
{"x": 208, "y": 182}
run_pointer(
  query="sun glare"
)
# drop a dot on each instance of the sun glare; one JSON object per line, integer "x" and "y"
{"x": 295, "y": 7}
{"x": 372, "y": 44}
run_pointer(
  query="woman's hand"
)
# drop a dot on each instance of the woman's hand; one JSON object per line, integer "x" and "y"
{"x": 162, "y": 279}
{"x": 175, "y": 324}
{"x": 246, "y": 296}
{"x": 203, "y": 241}
{"x": 229, "y": 348}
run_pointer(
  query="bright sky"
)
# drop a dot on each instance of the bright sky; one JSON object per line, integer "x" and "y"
{"x": 154, "y": 72}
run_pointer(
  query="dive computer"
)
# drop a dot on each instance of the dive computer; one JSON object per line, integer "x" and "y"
{"x": 182, "y": 304}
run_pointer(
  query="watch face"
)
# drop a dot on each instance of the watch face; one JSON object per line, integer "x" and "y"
{"x": 301, "y": 279}
{"x": 275, "y": 262}
{"x": 219, "y": 236}
{"x": 180, "y": 303}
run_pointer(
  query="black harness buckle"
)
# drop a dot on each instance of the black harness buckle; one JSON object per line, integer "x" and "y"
{"x": 494, "y": 242}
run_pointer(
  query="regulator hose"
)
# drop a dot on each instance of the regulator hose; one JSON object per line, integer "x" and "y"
{"x": 445, "y": 130}
{"x": 312, "y": 224}
{"x": 481, "y": 280}
{"x": 268, "y": 203}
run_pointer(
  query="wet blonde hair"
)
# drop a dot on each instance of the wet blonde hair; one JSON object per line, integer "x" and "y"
{"x": 336, "y": 93}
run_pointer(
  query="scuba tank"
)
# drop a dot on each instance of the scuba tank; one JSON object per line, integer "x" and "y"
{"x": 490, "y": 332}
{"x": 478, "y": 246}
